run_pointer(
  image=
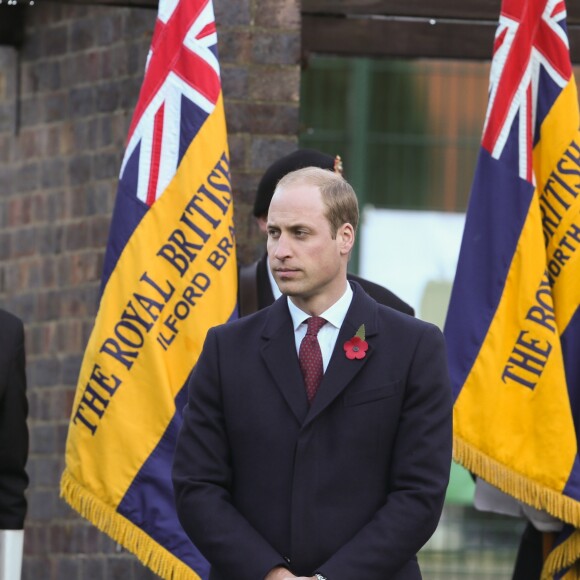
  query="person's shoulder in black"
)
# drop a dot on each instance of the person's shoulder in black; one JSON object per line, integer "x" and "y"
{"x": 382, "y": 295}
{"x": 13, "y": 428}
{"x": 11, "y": 347}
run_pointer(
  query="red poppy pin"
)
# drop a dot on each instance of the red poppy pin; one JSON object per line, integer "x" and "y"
{"x": 356, "y": 347}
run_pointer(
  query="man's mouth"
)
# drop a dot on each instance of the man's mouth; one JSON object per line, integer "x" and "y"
{"x": 286, "y": 271}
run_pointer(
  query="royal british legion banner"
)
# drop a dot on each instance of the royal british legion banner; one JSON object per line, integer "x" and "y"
{"x": 513, "y": 326}
{"x": 169, "y": 275}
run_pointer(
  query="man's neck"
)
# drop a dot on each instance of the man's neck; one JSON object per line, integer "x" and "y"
{"x": 317, "y": 304}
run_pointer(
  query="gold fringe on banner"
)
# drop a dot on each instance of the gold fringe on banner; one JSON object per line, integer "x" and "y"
{"x": 515, "y": 484}
{"x": 120, "y": 529}
{"x": 532, "y": 493}
{"x": 563, "y": 556}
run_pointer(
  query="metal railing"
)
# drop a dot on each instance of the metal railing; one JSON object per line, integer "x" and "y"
{"x": 471, "y": 545}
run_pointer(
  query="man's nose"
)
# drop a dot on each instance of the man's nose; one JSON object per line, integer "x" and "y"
{"x": 283, "y": 247}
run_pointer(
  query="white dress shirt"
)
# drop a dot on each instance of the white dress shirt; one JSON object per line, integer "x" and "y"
{"x": 328, "y": 334}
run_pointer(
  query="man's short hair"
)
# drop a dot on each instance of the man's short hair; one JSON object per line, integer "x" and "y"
{"x": 296, "y": 160}
{"x": 337, "y": 194}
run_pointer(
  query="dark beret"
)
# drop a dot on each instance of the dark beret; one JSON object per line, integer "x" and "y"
{"x": 297, "y": 160}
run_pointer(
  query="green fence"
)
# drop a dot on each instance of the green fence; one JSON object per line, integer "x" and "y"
{"x": 471, "y": 545}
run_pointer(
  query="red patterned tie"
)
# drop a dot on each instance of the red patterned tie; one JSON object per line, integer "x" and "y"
{"x": 310, "y": 357}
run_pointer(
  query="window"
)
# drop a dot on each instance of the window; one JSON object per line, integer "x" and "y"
{"x": 408, "y": 130}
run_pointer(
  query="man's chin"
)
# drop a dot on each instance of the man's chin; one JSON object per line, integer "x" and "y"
{"x": 287, "y": 287}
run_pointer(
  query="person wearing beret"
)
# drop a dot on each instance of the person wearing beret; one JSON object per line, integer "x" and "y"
{"x": 257, "y": 288}
{"x": 13, "y": 444}
{"x": 316, "y": 440}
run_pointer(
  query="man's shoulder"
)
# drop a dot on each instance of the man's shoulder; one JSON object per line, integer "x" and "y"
{"x": 244, "y": 324}
{"x": 10, "y": 325}
{"x": 387, "y": 317}
{"x": 383, "y": 295}
{"x": 407, "y": 329}
{"x": 11, "y": 343}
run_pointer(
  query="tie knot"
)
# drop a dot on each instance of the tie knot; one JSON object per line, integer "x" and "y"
{"x": 315, "y": 323}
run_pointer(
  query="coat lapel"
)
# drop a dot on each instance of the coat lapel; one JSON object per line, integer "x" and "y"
{"x": 341, "y": 370}
{"x": 279, "y": 354}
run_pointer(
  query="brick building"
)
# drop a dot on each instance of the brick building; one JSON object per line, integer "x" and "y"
{"x": 70, "y": 73}
{"x": 67, "y": 94}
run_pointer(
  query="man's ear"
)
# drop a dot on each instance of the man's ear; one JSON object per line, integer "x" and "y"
{"x": 345, "y": 236}
{"x": 262, "y": 221}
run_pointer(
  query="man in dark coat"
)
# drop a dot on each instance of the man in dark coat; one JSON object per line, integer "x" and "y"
{"x": 320, "y": 457}
{"x": 13, "y": 442}
{"x": 257, "y": 288}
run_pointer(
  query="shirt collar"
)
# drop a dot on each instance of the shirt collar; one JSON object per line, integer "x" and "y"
{"x": 335, "y": 315}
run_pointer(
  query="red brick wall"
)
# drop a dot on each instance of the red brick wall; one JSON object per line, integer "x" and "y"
{"x": 66, "y": 99}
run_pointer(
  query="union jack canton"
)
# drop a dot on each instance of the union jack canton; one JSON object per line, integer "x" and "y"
{"x": 531, "y": 56}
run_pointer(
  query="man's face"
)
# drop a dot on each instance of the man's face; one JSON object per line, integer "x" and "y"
{"x": 307, "y": 263}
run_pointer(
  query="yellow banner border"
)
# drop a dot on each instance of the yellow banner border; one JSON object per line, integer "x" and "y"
{"x": 513, "y": 483}
{"x": 563, "y": 556}
{"x": 121, "y": 530}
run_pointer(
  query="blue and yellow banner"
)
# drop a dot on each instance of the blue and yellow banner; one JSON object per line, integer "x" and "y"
{"x": 170, "y": 274}
{"x": 513, "y": 326}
